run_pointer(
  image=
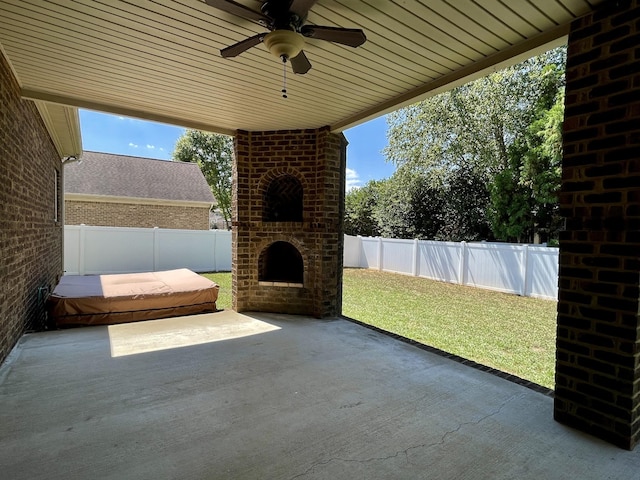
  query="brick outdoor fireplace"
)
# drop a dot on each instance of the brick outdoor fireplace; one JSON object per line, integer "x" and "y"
{"x": 287, "y": 221}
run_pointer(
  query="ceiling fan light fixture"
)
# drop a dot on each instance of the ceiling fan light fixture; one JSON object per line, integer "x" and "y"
{"x": 285, "y": 43}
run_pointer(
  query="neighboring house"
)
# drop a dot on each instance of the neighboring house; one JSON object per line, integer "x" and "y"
{"x": 217, "y": 221}
{"x": 123, "y": 191}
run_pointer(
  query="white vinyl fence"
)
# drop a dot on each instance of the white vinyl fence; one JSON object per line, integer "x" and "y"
{"x": 526, "y": 270}
{"x": 92, "y": 250}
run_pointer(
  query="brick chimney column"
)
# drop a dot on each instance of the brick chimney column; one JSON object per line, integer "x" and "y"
{"x": 313, "y": 160}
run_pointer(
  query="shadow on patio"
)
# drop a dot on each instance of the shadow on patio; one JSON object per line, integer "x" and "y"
{"x": 267, "y": 396}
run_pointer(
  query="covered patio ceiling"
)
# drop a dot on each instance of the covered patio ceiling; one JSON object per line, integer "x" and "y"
{"x": 159, "y": 59}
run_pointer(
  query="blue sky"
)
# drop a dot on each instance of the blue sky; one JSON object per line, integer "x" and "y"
{"x": 130, "y": 136}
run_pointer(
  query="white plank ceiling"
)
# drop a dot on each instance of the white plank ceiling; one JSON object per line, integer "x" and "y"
{"x": 159, "y": 59}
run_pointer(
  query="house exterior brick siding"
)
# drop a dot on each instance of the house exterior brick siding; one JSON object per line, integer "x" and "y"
{"x": 598, "y": 347}
{"x": 30, "y": 238}
{"x": 113, "y": 214}
{"x": 316, "y": 158}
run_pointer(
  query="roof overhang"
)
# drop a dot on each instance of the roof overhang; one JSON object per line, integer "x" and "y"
{"x": 160, "y": 60}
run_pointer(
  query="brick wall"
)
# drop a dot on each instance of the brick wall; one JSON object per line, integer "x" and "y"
{"x": 30, "y": 238}
{"x": 316, "y": 158}
{"x": 111, "y": 214}
{"x": 598, "y": 348}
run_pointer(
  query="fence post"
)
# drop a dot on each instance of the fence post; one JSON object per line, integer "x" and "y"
{"x": 81, "y": 240}
{"x": 156, "y": 250}
{"x": 360, "y": 251}
{"x": 523, "y": 269}
{"x": 463, "y": 262}
{"x": 380, "y": 253}
{"x": 414, "y": 267}
{"x": 215, "y": 249}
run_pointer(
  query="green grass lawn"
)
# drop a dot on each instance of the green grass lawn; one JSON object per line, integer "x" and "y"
{"x": 507, "y": 332}
{"x": 224, "y": 295}
{"x": 511, "y": 333}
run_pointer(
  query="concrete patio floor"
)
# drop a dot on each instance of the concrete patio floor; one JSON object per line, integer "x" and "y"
{"x": 266, "y": 396}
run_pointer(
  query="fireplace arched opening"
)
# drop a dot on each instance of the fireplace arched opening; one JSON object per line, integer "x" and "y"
{"x": 282, "y": 200}
{"x": 281, "y": 263}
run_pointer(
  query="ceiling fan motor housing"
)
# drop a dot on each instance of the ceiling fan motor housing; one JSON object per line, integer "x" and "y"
{"x": 282, "y": 18}
{"x": 285, "y": 43}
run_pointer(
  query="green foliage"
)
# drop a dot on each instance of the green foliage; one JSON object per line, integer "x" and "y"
{"x": 408, "y": 207}
{"x": 463, "y": 212}
{"x": 541, "y": 169}
{"x": 503, "y": 130}
{"x": 214, "y": 155}
{"x": 359, "y": 210}
{"x": 509, "y": 210}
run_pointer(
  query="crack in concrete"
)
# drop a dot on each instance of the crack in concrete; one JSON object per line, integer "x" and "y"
{"x": 464, "y": 424}
{"x": 348, "y": 460}
{"x": 406, "y": 451}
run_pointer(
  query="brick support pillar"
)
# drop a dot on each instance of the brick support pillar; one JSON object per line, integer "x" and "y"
{"x": 598, "y": 348}
{"x": 307, "y": 165}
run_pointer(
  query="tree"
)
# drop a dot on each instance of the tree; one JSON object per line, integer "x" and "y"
{"x": 509, "y": 210}
{"x": 360, "y": 204}
{"x": 542, "y": 168}
{"x": 464, "y": 208}
{"x": 408, "y": 207}
{"x": 524, "y": 201}
{"x": 214, "y": 155}
{"x": 490, "y": 130}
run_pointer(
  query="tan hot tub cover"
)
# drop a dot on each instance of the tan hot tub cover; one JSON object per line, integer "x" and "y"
{"x": 110, "y": 299}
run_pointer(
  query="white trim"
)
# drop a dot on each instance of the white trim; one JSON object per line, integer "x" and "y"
{"x": 63, "y": 125}
{"x": 80, "y": 197}
{"x": 44, "y": 96}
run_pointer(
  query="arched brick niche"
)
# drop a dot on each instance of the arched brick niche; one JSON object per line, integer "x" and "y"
{"x": 281, "y": 264}
{"x": 288, "y": 210}
{"x": 282, "y": 199}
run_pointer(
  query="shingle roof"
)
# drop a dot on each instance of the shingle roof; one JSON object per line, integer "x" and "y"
{"x": 126, "y": 176}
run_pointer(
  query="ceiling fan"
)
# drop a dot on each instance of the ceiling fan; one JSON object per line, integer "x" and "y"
{"x": 286, "y": 36}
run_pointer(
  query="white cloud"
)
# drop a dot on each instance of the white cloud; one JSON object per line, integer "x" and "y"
{"x": 133, "y": 145}
{"x": 161, "y": 149}
{"x": 150, "y": 147}
{"x": 353, "y": 179}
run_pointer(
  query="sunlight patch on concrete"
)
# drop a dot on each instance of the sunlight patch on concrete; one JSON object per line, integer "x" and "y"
{"x": 154, "y": 335}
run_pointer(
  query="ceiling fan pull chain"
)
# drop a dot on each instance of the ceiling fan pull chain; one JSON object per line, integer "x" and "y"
{"x": 284, "y": 76}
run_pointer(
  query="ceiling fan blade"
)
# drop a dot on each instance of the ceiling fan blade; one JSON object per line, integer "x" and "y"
{"x": 240, "y": 10}
{"x": 240, "y": 47}
{"x": 352, "y": 37}
{"x": 301, "y": 7}
{"x": 300, "y": 63}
